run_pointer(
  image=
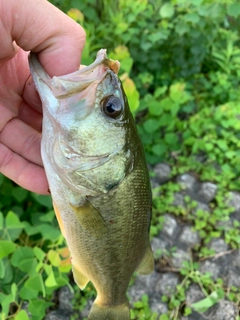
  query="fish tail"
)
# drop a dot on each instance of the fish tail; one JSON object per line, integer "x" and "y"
{"x": 102, "y": 312}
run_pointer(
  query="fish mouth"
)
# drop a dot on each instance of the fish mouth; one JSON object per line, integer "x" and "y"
{"x": 68, "y": 85}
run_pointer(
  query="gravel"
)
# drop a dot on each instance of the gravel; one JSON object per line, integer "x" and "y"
{"x": 225, "y": 263}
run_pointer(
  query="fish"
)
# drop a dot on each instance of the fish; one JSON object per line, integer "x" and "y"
{"x": 98, "y": 178}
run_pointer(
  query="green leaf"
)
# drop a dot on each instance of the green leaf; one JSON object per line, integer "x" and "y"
{"x": 54, "y": 258}
{"x": 131, "y": 93}
{"x": 45, "y": 201}
{"x": 49, "y": 232}
{"x": 2, "y": 269}
{"x": 205, "y": 304}
{"x": 151, "y": 125}
{"x": 48, "y": 217}
{"x": 39, "y": 253}
{"x": 154, "y": 107}
{"x": 13, "y": 225}
{"x": 6, "y": 247}
{"x": 160, "y": 91}
{"x": 1, "y": 179}
{"x": 171, "y": 138}
{"x": 38, "y": 307}
{"x": 233, "y": 9}
{"x": 167, "y": 10}
{"x": 20, "y": 255}
{"x": 1, "y": 220}
{"x": 35, "y": 283}
{"x": 51, "y": 281}
{"x": 22, "y": 315}
{"x": 159, "y": 149}
{"x": 19, "y": 194}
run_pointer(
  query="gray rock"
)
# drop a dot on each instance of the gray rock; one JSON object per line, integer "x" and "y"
{"x": 189, "y": 237}
{"x": 234, "y": 200}
{"x": 202, "y": 206}
{"x": 194, "y": 294}
{"x": 166, "y": 284}
{"x": 187, "y": 181}
{"x": 157, "y": 306}
{"x": 143, "y": 285}
{"x": 170, "y": 226}
{"x": 218, "y": 245}
{"x": 232, "y": 279}
{"x": 178, "y": 200}
{"x": 58, "y": 315}
{"x": 65, "y": 297}
{"x": 211, "y": 267}
{"x": 179, "y": 256}
{"x": 224, "y": 310}
{"x": 157, "y": 245}
{"x": 85, "y": 312}
{"x": 162, "y": 173}
{"x": 207, "y": 191}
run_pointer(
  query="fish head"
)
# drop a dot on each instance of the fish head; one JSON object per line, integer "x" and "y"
{"x": 88, "y": 129}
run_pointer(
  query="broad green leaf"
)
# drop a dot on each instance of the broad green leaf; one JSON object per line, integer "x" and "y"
{"x": 167, "y": 10}
{"x": 45, "y": 201}
{"x": 204, "y": 304}
{"x": 76, "y": 15}
{"x": 160, "y": 91}
{"x": 1, "y": 179}
{"x": 171, "y": 138}
{"x": 19, "y": 194}
{"x": 154, "y": 107}
{"x": 48, "y": 217}
{"x": 151, "y": 125}
{"x": 13, "y": 225}
{"x": 35, "y": 283}
{"x": 22, "y": 315}
{"x": 38, "y": 307}
{"x": 54, "y": 258}
{"x": 39, "y": 253}
{"x": 6, "y": 247}
{"x": 2, "y": 269}
{"x": 5, "y": 301}
{"x": 1, "y": 220}
{"x": 51, "y": 281}
{"x": 21, "y": 254}
{"x": 159, "y": 149}
{"x": 28, "y": 294}
{"x": 131, "y": 93}
{"x": 233, "y": 9}
{"x": 28, "y": 265}
{"x": 49, "y": 232}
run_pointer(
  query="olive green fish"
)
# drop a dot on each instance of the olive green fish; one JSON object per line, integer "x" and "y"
{"x": 98, "y": 178}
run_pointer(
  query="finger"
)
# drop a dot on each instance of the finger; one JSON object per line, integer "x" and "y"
{"x": 31, "y": 96}
{"x": 40, "y": 27}
{"x": 21, "y": 171}
{"x": 30, "y": 116}
{"x": 23, "y": 140}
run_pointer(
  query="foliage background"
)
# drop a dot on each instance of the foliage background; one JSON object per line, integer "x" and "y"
{"x": 180, "y": 67}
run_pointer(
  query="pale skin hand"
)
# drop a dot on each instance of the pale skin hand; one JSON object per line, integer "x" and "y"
{"x": 30, "y": 25}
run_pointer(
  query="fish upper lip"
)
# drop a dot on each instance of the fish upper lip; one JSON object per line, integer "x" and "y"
{"x": 62, "y": 86}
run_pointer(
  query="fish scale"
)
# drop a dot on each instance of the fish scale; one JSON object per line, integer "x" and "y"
{"x": 98, "y": 177}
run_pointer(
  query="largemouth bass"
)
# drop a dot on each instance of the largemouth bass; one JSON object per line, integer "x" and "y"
{"x": 99, "y": 183}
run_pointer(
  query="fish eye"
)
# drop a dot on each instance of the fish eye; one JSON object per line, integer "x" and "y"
{"x": 112, "y": 107}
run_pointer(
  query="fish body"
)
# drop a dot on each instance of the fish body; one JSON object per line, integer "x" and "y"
{"x": 99, "y": 182}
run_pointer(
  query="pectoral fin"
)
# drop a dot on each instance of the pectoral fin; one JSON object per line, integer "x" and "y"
{"x": 59, "y": 219}
{"x": 90, "y": 219}
{"x": 146, "y": 266}
{"x": 80, "y": 279}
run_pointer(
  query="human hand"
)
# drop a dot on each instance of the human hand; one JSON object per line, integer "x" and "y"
{"x": 30, "y": 25}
